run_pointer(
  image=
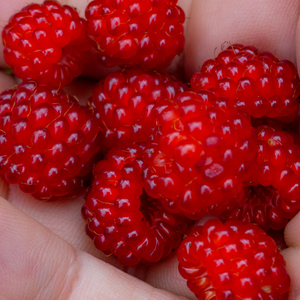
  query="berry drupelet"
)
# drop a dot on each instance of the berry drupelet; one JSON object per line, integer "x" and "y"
{"x": 47, "y": 140}
{"x": 256, "y": 81}
{"x": 143, "y": 33}
{"x": 123, "y": 102}
{"x": 121, "y": 218}
{"x": 232, "y": 261}
{"x": 46, "y": 42}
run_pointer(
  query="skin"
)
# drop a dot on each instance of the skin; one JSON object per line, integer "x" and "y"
{"x": 44, "y": 252}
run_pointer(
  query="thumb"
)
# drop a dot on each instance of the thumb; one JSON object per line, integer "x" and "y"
{"x": 37, "y": 264}
{"x": 292, "y": 255}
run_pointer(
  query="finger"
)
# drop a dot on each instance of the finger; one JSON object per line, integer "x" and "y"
{"x": 298, "y": 43}
{"x": 291, "y": 232}
{"x": 6, "y": 81}
{"x": 292, "y": 258}
{"x": 165, "y": 275}
{"x": 62, "y": 217}
{"x": 292, "y": 255}
{"x": 37, "y": 264}
{"x": 269, "y": 25}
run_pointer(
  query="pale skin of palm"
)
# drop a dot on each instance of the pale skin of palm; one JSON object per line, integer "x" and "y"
{"x": 44, "y": 252}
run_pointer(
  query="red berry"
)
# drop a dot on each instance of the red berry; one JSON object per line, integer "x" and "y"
{"x": 143, "y": 33}
{"x": 122, "y": 219}
{"x": 257, "y": 81}
{"x": 263, "y": 206}
{"x": 232, "y": 261}
{"x": 123, "y": 102}
{"x": 278, "y": 162}
{"x": 46, "y": 42}
{"x": 203, "y": 156}
{"x": 272, "y": 197}
{"x": 46, "y": 140}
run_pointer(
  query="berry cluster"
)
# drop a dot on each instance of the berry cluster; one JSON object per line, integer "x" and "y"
{"x": 173, "y": 152}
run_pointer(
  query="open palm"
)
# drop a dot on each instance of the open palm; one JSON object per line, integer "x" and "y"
{"x": 44, "y": 252}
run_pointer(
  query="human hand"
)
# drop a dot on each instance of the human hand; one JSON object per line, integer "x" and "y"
{"x": 45, "y": 253}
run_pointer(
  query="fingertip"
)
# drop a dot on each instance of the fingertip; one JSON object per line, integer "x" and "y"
{"x": 292, "y": 258}
{"x": 297, "y": 38}
{"x": 268, "y": 25}
{"x": 292, "y": 233}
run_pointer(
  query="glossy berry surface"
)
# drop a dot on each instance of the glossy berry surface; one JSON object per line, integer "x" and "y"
{"x": 122, "y": 219}
{"x": 272, "y": 194}
{"x": 46, "y": 42}
{"x": 123, "y": 103}
{"x": 232, "y": 261}
{"x": 203, "y": 155}
{"x": 47, "y": 140}
{"x": 263, "y": 206}
{"x": 277, "y": 163}
{"x": 144, "y": 33}
{"x": 257, "y": 81}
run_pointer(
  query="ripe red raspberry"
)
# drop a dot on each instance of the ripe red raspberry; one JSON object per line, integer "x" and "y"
{"x": 273, "y": 194}
{"x": 263, "y": 206}
{"x": 46, "y": 42}
{"x": 257, "y": 81}
{"x": 144, "y": 33}
{"x": 120, "y": 217}
{"x": 47, "y": 140}
{"x": 123, "y": 102}
{"x": 232, "y": 261}
{"x": 203, "y": 156}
